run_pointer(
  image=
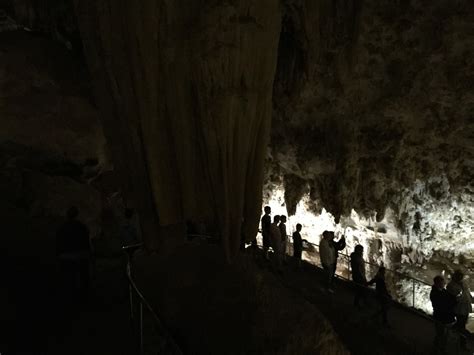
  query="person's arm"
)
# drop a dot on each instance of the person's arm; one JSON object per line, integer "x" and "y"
{"x": 341, "y": 243}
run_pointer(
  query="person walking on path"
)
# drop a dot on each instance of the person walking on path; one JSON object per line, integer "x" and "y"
{"x": 266, "y": 229}
{"x": 443, "y": 312}
{"x": 297, "y": 245}
{"x": 73, "y": 250}
{"x": 275, "y": 236}
{"x": 358, "y": 275}
{"x": 383, "y": 296}
{"x": 128, "y": 230}
{"x": 328, "y": 251}
{"x": 459, "y": 289}
{"x": 283, "y": 234}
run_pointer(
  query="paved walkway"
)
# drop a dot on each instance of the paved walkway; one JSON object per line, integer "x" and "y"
{"x": 409, "y": 333}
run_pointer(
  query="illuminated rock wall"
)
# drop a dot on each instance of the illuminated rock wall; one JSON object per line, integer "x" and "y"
{"x": 374, "y": 113}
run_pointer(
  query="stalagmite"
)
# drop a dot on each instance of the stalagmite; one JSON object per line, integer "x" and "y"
{"x": 186, "y": 93}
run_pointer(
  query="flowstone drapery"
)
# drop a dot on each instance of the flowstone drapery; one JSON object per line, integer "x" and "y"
{"x": 186, "y": 93}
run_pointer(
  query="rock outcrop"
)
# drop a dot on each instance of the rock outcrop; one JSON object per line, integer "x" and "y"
{"x": 186, "y": 92}
{"x": 374, "y": 109}
{"x": 51, "y": 140}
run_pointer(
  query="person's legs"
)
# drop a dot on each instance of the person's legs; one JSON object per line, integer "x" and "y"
{"x": 266, "y": 245}
{"x": 84, "y": 278}
{"x": 297, "y": 257}
{"x": 358, "y": 295}
{"x": 461, "y": 321}
{"x": 384, "y": 309}
{"x": 329, "y": 275}
{"x": 283, "y": 250}
{"x": 440, "y": 338}
{"x": 332, "y": 272}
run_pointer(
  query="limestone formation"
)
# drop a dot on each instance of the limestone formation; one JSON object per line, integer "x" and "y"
{"x": 374, "y": 110}
{"x": 186, "y": 92}
{"x": 51, "y": 140}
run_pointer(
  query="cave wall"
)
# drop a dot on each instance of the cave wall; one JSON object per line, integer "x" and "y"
{"x": 373, "y": 109}
{"x": 186, "y": 90}
{"x": 52, "y": 147}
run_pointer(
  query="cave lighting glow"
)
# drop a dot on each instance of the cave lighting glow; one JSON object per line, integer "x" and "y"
{"x": 365, "y": 231}
{"x": 357, "y": 229}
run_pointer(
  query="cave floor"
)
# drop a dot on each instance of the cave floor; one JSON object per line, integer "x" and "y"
{"x": 362, "y": 333}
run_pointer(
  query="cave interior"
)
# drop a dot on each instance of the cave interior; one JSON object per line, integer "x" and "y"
{"x": 345, "y": 115}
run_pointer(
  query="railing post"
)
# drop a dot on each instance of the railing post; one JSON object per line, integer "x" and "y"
{"x": 131, "y": 300}
{"x": 413, "y": 286}
{"x": 141, "y": 328}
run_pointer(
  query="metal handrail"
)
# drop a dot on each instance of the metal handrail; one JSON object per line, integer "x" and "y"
{"x": 375, "y": 265}
{"x": 366, "y": 262}
{"x": 133, "y": 289}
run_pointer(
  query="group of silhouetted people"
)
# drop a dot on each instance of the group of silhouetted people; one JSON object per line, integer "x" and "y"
{"x": 452, "y": 305}
{"x": 274, "y": 236}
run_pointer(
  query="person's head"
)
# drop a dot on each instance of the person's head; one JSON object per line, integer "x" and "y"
{"x": 326, "y": 235}
{"x": 458, "y": 276}
{"x": 267, "y": 210}
{"x": 359, "y": 249}
{"x": 72, "y": 212}
{"x": 128, "y": 213}
{"x": 439, "y": 282}
{"x": 276, "y": 219}
{"x": 381, "y": 272}
{"x": 299, "y": 227}
{"x": 283, "y": 219}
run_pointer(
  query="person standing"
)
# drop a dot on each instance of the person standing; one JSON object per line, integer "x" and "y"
{"x": 266, "y": 229}
{"x": 443, "y": 312}
{"x": 73, "y": 250}
{"x": 297, "y": 245}
{"x": 463, "y": 307}
{"x": 382, "y": 294}
{"x": 328, "y": 251}
{"x": 128, "y": 231}
{"x": 283, "y": 234}
{"x": 275, "y": 236}
{"x": 358, "y": 274}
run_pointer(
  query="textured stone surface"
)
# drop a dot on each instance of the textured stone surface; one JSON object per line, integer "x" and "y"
{"x": 51, "y": 141}
{"x": 374, "y": 109}
{"x": 186, "y": 89}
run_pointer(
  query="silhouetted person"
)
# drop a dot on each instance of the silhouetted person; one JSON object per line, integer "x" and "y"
{"x": 463, "y": 306}
{"x": 128, "y": 231}
{"x": 382, "y": 295}
{"x": 358, "y": 274}
{"x": 283, "y": 234}
{"x": 443, "y": 312}
{"x": 328, "y": 252}
{"x": 266, "y": 229}
{"x": 297, "y": 244}
{"x": 73, "y": 251}
{"x": 275, "y": 237}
